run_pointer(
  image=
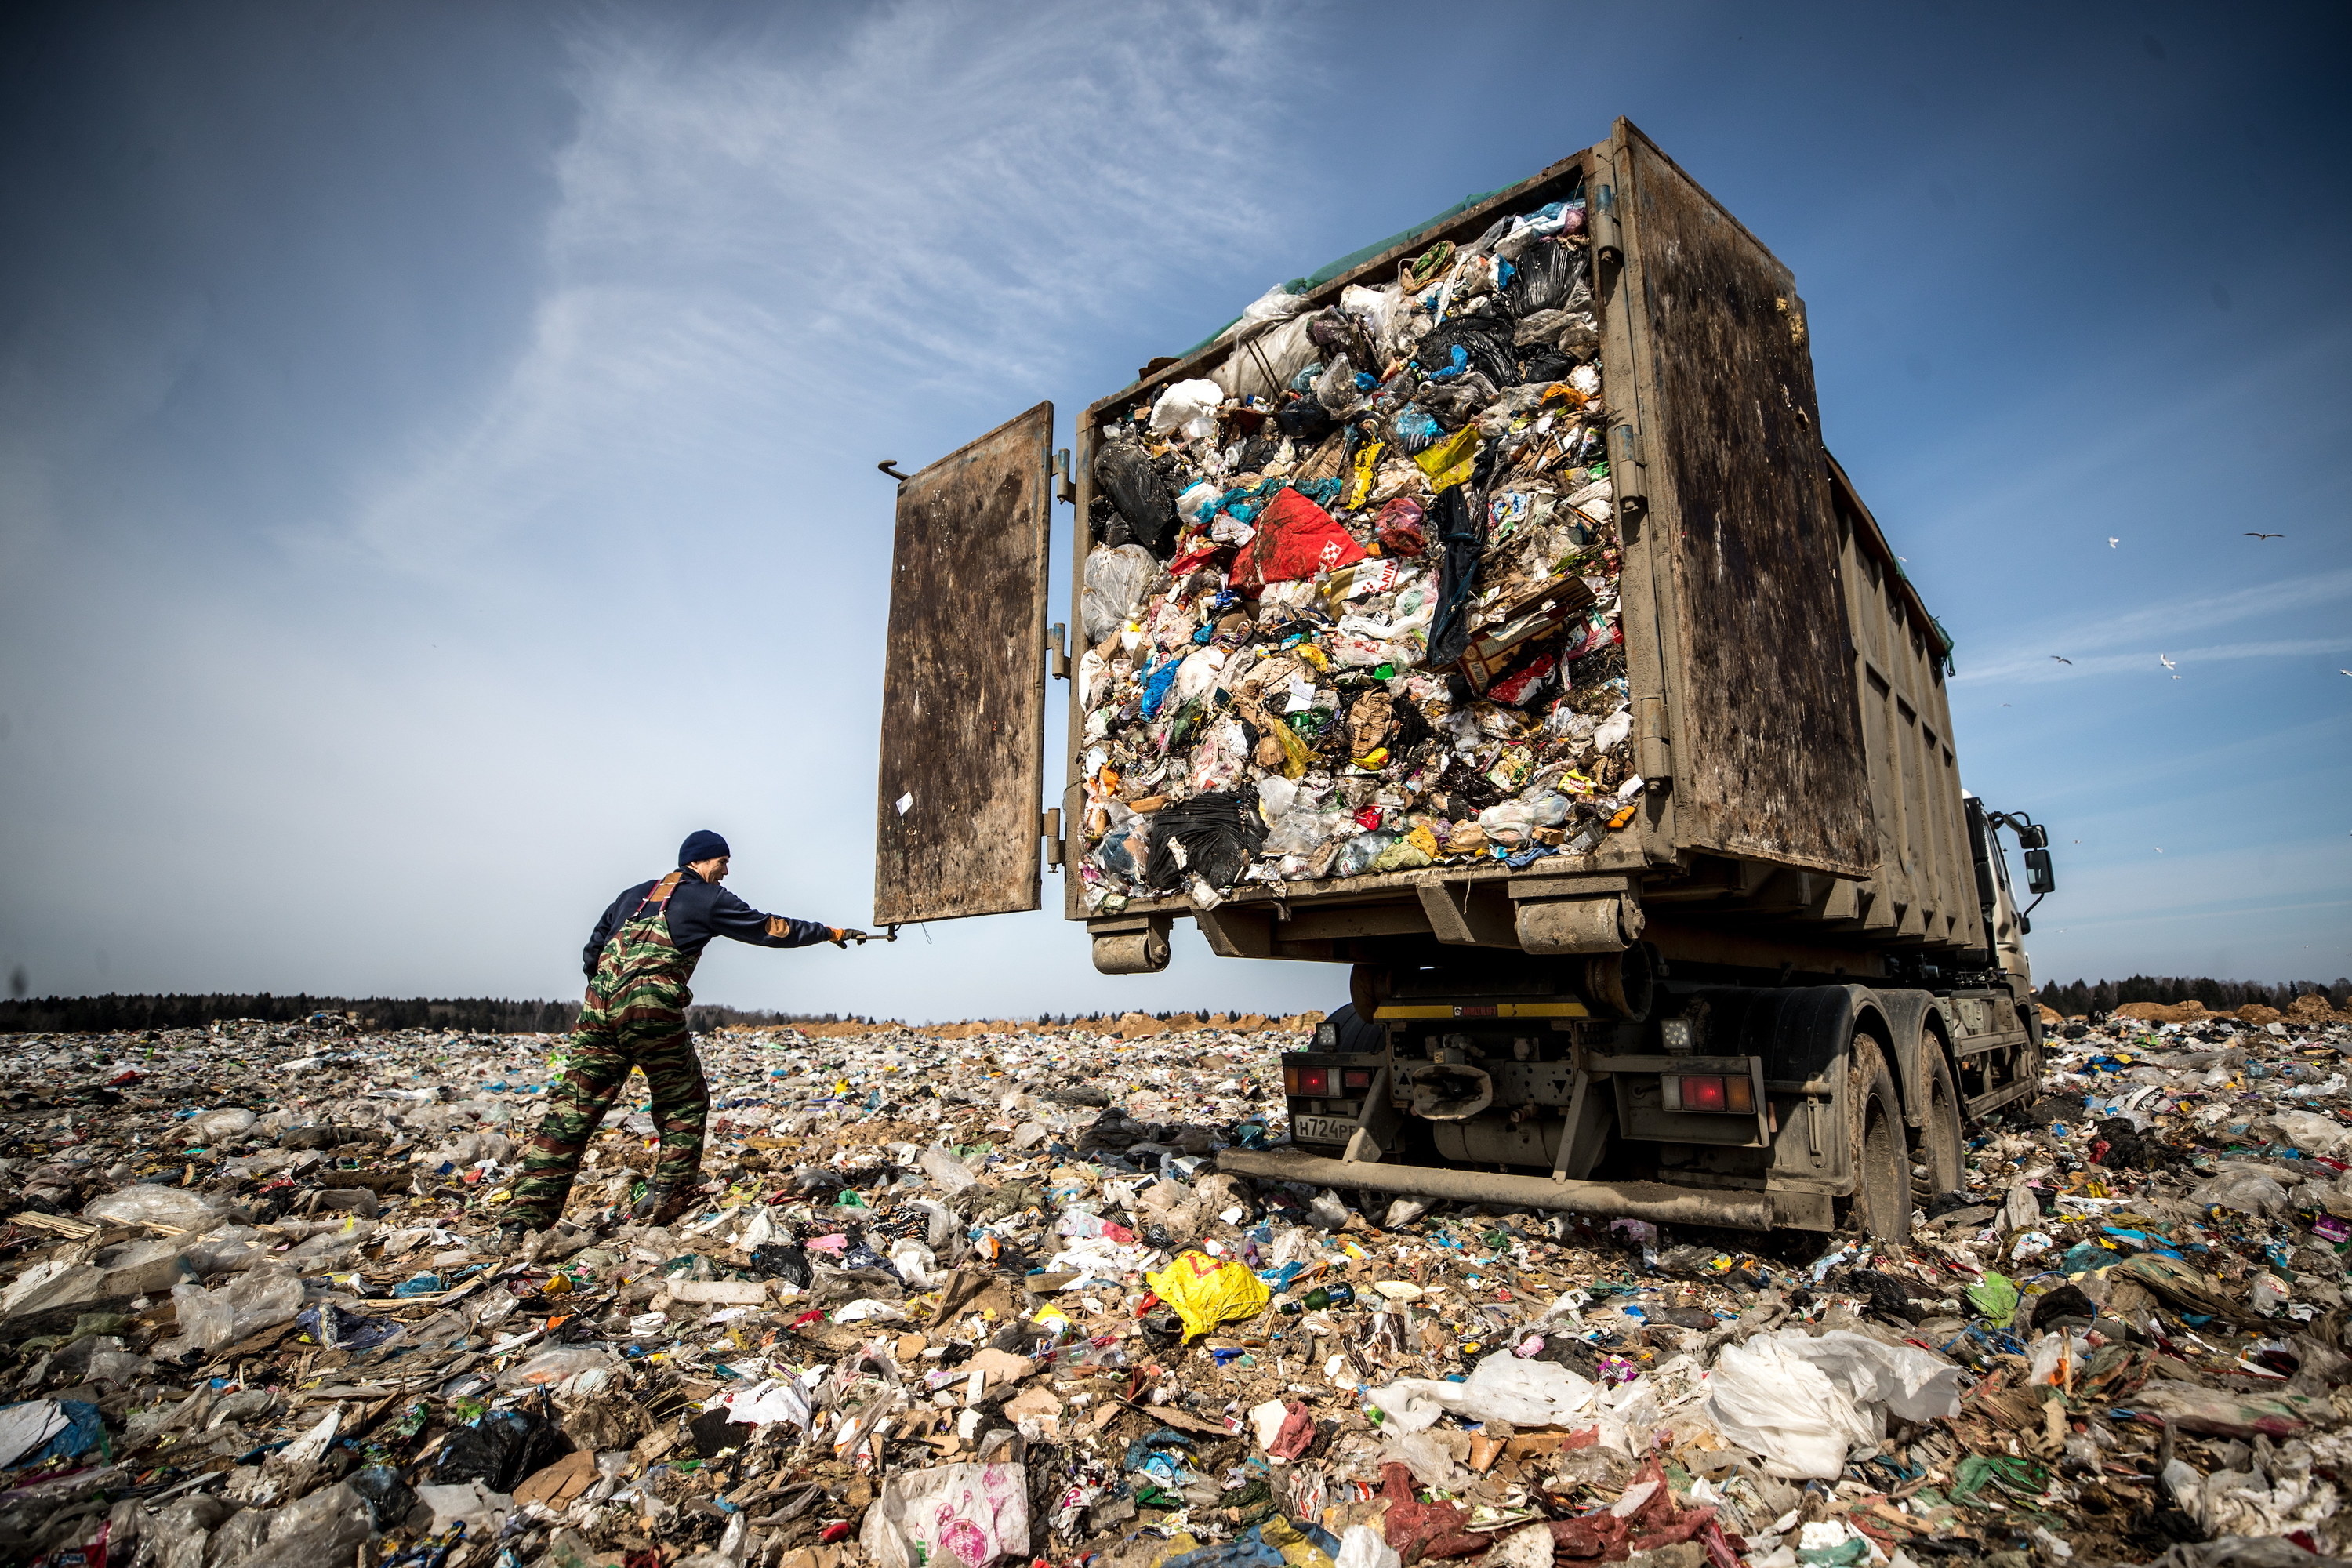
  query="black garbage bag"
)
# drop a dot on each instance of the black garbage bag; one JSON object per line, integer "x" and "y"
{"x": 1485, "y": 341}
{"x": 388, "y": 1498}
{"x": 2065, "y": 1302}
{"x": 1212, "y": 835}
{"x": 1459, "y": 532}
{"x": 1125, "y": 471}
{"x": 1304, "y": 420}
{"x": 1548, "y": 273}
{"x": 715, "y": 1432}
{"x": 1543, "y": 363}
{"x": 789, "y": 1264}
{"x": 1109, "y": 529}
{"x": 500, "y": 1450}
{"x": 1888, "y": 1298}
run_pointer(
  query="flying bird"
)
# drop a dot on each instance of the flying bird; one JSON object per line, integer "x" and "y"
{"x": 2265, "y": 536}
{"x": 2168, "y": 664}
{"x": 2113, "y": 541}
{"x": 2062, "y": 658}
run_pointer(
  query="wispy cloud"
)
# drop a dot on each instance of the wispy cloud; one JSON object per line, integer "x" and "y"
{"x": 2165, "y": 627}
{"x": 751, "y": 235}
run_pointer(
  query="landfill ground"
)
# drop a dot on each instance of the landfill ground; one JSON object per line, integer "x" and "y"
{"x": 976, "y": 1294}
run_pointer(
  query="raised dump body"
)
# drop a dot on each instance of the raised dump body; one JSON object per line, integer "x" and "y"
{"x": 1615, "y": 941}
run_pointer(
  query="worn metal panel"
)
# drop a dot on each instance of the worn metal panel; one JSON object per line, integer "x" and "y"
{"x": 1925, "y": 875}
{"x": 963, "y": 689}
{"x": 1769, "y": 759}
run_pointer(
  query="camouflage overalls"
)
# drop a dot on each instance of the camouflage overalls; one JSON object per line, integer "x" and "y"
{"x": 635, "y": 1017}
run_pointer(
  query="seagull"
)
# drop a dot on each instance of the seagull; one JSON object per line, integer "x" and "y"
{"x": 2113, "y": 541}
{"x": 2265, "y": 536}
{"x": 2168, "y": 664}
{"x": 2062, "y": 658}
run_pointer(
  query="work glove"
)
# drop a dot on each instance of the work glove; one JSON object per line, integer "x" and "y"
{"x": 844, "y": 935}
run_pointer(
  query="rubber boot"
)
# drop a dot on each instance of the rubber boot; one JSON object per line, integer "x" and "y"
{"x": 663, "y": 1205}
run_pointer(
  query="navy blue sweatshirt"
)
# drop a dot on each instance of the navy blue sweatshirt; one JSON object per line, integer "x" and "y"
{"x": 699, "y": 911}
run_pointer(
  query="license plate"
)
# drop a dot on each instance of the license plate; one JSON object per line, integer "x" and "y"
{"x": 1322, "y": 1128}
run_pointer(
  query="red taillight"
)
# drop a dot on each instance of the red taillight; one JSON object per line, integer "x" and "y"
{"x": 1307, "y": 1080}
{"x": 1709, "y": 1092}
{"x": 1356, "y": 1078}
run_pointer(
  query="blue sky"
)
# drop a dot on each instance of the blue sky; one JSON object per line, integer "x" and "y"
{"x": 437, "y": 442}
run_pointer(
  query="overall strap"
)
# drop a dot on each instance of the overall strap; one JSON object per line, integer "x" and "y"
{"x": 659, "y": 897}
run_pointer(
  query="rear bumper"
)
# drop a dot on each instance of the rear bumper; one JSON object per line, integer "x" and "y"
{"x": 1654, "y": 1201}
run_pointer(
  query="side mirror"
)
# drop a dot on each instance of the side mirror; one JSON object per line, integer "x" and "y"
{"x": 2039, "y": 878}
{"x": 2034, "y": 837}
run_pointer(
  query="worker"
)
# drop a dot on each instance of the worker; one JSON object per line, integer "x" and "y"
{"x": 638, "y": 962}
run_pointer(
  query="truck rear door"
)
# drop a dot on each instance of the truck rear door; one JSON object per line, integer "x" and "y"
{"x": 963, "y": 685}
{"x": 1725, "y": 446}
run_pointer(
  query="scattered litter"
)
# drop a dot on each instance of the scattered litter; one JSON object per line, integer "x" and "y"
{"x": 978, "y": 1292}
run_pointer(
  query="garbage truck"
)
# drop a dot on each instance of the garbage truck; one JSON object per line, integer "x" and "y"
{"x": 1781, "y": 971}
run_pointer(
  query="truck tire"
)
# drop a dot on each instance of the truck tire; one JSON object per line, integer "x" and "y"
{"x": 1881, "y": 1206}
{"x": 1942, "y": 1156}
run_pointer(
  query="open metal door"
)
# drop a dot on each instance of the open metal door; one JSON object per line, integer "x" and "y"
{"x": 1768, "y": 753}
{"x": 963, "y": 685}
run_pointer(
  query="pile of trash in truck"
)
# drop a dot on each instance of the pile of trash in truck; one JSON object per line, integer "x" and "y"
{"x": 1350, "y": 603}
{"x": 978, "y": 1294}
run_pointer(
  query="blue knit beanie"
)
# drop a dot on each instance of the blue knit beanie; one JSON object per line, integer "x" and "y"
{"x": 703, "y": 845}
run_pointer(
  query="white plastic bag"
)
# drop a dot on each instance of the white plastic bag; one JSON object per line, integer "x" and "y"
{"x": 148, "y": 1203}
{"x": 1262, "y": 366}
{"x": 952, "y": 1175}
{"x": 213, "y": 1126}
{"x": 1116, "y": 581}
{"x": 1198, "y": 499}
{"x": 1362, "y": 1547}
{"x": 1277, "y": 303}
{"x": 2247, "y": 1191}
{"x": 1801, "y": 1403}
{"x": 2310, "y": 1131}
{"x": 767, "y": 1401}
{"x": 1433, "y": 1464}
{"x": 954, "y": 1516}
{"x": 551, "y": 1368}
{"x": 1189, "y": 408}
{"x": 256, "y": 1300}
{"x": 916, "y": 1263}
{"x": 1502, "y": 1388}
{"x": 1784, "y": 1409}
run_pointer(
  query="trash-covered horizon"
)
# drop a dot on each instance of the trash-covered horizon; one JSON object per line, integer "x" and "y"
{"x": 436, "y": 450}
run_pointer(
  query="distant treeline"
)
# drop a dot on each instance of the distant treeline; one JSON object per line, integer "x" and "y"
{"x": 479, "y": 1014}
{"x": 2219, "y": 996}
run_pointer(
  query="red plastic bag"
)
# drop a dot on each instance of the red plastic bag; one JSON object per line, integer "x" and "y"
{"x": 1398, "y": 527}
{"x": 1516, "y": 688}
{"x": 1296, "y": 538}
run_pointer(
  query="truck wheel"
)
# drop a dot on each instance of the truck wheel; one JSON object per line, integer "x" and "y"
{"x": 1881, "y": 1206}
{"x": 1941, "y": 1168}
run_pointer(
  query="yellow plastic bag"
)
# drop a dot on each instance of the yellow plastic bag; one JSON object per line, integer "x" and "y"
{"x": 1449, "y": 462}
{"x": 1206, "y": 1292}
{"x": 1365, "y": 473}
